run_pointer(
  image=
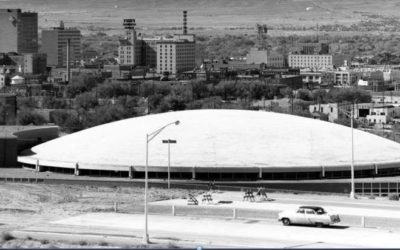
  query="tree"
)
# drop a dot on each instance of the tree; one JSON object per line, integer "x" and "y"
{"x": 304, "y": 94}
{"x": 349, "y": 95}
{"x": 86, "y": 101}
{"x": 27, "y": 117}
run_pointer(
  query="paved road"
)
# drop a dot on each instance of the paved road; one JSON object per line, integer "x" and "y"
{"x": 210, "y": 232}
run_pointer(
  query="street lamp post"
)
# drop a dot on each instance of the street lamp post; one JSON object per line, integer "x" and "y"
{"x": 150, "y": 137}
{"x": 169, "y": 141}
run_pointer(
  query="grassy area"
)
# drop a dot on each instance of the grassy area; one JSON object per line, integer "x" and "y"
{"x": 22, "y": 205}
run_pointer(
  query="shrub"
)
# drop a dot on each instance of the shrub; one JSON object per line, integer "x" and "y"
{"x": 83, "y": 243}
{"x": 44, "y": 242}
{"x": 371, "y": 197}
{"x": 103, "y": 244}
{"x": 393, "y": 197}
{"x": 6, "y": 236}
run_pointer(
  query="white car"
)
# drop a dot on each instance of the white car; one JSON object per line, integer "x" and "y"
{"x": 309, "y": 215}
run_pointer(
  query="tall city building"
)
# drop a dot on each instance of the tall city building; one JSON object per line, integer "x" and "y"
{"x": 54, "y": 44}
{"x": 18, "y": 31}
{"x": 178, "y": 54}
{"x": 130, "y": 48}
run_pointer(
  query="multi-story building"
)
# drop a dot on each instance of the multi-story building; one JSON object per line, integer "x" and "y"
{"x": 149, "y": 52}
{"x": 18, "y": 31}
{"x": 311, "y": 77}
{"x": 381, "y": 114}
{"x": 268, "y": 57}
{"x": 310, "y": 61}
{"x": 342, "y": 78}
{"x": 35, "y": 63}
{"x": 176, "y": 55}
{"x": 29, "y": 63}
{"x": 130, "y": 48}
{"x": 54, "y": 44}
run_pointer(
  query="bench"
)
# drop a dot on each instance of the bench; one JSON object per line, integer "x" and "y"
{"x": 192, "y": 200}
{"x": 248, "y": 195}
{"x": 207, "y": 198}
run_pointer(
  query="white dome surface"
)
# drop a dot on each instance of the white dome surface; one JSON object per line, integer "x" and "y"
{"x": 217, "y": 138}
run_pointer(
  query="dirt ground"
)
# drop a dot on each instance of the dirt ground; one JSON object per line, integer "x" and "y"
{"x": 23, "y": 205}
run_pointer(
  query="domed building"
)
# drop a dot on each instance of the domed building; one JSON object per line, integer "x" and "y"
{"x": 220, "y": 145}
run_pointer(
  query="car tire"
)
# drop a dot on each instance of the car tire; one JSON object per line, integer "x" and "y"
{"x": 285, "y": 221}
{"x": 319, "y": 224}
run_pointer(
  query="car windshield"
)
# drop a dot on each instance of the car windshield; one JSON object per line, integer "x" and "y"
{"x": 320, "y": 211}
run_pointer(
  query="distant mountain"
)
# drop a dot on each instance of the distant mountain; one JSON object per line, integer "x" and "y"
{"x": 205, "y": 13}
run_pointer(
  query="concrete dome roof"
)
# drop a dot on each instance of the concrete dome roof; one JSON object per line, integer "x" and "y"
{"x": 216, "y": 139}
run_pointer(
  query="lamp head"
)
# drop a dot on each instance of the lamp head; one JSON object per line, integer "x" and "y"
{"x": 177, "y": 122}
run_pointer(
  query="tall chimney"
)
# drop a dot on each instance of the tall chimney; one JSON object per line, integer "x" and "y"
{"x": 68, "y": 60}
{"x": 184, "y": 22}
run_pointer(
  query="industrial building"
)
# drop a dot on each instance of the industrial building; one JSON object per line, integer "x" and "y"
{"x": 220, "y": 145}
{"x": 54, "y": 44}
{"x": 18, "y": 31}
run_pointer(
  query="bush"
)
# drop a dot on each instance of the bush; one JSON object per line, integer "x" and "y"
{"x": 26, "y": 117}
{"x": 6, "y": 236}
{"x": 44, "y": 242}
{"x": 371, "y": 197}
{"x": 83, "y": 243}
{"x": 393, "y": 197}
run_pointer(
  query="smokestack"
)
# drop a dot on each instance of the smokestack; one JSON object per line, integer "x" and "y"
{"x": 68, "y": 60}
{"x": 184, "y": 22}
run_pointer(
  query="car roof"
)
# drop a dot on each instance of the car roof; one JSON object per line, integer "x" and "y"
{"x": 312, "y": 207}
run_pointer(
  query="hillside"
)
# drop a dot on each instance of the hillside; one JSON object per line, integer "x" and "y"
{"x": 206, "y": 14}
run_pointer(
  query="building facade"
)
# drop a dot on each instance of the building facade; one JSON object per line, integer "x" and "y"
{"x": 54, "y": 44}
{"x": 8, "y": 109}
{"x": 35, "y": 63}
{"x": 313, "y": 48}
{"x": 176, "y": 55}
{"x": 269, "y": 58}
{"x": 130, "y": 48}
{"x": 381, "y": 114}
{"x": 149, "y": 52}
{"x": 18, "y": 31}
{"x": 310, "y": 61}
